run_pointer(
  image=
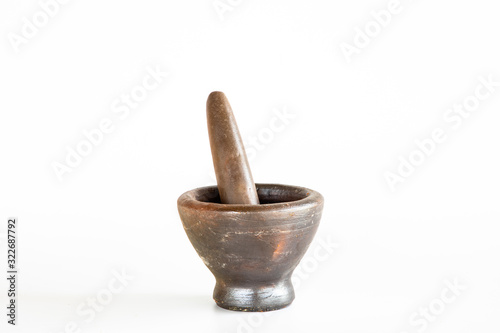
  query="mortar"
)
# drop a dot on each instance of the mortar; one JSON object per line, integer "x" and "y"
{"x": 252, "y": 250}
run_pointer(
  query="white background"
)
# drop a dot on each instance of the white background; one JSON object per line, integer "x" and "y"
{"x": 350, "y": 120}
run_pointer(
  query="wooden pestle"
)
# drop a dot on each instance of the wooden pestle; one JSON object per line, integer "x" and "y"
{"x": 234, "y": 177}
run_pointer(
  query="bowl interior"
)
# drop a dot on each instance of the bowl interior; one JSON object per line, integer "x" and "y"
{"x": 267, "y": 194}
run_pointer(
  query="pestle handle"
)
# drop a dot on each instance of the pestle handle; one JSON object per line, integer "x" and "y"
{"x": 234, "y": 177}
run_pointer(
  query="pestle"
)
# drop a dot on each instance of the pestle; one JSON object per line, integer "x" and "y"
{"x": 250, "y": 248}
{"x": 234, "y": 178}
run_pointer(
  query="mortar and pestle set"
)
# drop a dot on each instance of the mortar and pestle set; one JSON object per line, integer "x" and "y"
{"x": 250, "y": 236}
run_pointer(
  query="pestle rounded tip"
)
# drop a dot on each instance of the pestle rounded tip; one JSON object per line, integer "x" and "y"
{"x": 216, "y": 95}
{"x": 234, "y": 178}
{"x": 217, "y": 102}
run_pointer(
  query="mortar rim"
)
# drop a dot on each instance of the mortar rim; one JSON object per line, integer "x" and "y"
{"x": 311, "y": 197}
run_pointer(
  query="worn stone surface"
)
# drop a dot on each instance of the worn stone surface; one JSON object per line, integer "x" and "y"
{"x": 234, "y": 178}
{"x": 251, "y": 237}
{"x": 252, "y": 250}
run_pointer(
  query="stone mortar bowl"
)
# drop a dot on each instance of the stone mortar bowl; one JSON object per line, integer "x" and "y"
{"x": 252, "y": 250}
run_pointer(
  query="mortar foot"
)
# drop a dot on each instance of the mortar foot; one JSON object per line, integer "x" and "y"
{"x": 256, "y": 298}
